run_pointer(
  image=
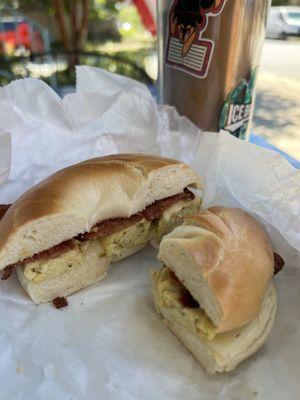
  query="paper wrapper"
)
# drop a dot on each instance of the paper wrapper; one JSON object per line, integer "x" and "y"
{"x": 110, "y": 343}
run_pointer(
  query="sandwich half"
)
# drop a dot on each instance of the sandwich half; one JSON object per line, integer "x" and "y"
{"x": 63, "y": 233}
{"x": 215, "y": 290}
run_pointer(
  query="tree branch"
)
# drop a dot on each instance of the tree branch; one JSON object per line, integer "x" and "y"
{"x": 84, "y": 22}
{"x": 58, "y": 6}
{"x": 73, "y": 7}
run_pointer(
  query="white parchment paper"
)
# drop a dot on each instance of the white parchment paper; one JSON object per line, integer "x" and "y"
{"x": 5, "y": 153}
{"x": 110, "y": 343}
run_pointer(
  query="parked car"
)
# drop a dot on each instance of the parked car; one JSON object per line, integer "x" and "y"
{"x": 283, "y": 22}
{"x": 19, "y": 32}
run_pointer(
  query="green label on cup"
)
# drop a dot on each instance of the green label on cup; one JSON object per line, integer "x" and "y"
{"x": 236, "y": 110}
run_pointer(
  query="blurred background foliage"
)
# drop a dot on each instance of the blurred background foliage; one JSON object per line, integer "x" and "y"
{"x": 111, "y": 31}
{"x": 280, "y": 2}
{"x": 58, "y": 34}
{"x": 106, "y": 33}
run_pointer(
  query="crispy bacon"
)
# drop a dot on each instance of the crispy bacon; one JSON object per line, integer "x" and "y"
{"x": 278, "y": 263}
{"x": 6, "y": 273}
{"x": 109, "y": 227}
{"x": 51, "y": 253}
{"x": 187, "y": 300}
{"x": 43, "y": 255}
{"x": 3, "y": 209}
{"x": 155, "y": 210}
{"x": 60, "y": 302}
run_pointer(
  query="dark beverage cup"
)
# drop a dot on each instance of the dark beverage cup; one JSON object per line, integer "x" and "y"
{"x": 209, "y": 52}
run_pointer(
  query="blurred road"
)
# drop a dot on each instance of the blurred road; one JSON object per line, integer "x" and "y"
{"x": 277, "y": 111}
{"x": 282, "y": 57}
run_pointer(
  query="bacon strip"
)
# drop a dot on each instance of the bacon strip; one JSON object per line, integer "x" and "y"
{"x": 187, "y": 300}
{"x": 155, "y": 210}
{"x": 6, "y": 273}
{"x": 278, "y": 263}
{"x": 109, "y": 227}
{"x": 3, "y": 209}
{"x": 43, "y": 255}
{"x": 60, "y": 302}
{"x": 152, "y": 212}
{"x": 51, "y": 253}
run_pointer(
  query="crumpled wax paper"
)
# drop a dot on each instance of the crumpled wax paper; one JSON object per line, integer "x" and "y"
{"x": 4, "y": 156}
{"x": 110, "y": 343}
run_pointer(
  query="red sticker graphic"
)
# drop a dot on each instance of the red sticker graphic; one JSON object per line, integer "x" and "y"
{"x": 186, "y": 49}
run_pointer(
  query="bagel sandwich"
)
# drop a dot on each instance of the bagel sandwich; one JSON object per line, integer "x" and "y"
{"x": 63, "y": 233}
{"x": 215, "y": 289}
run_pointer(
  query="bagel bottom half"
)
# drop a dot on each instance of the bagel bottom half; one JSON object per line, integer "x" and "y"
{"x": 226, "y": 350}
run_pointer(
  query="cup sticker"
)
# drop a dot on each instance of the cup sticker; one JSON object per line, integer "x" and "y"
{"x": 186, "y": 49}
{"x": 237, "y": 108}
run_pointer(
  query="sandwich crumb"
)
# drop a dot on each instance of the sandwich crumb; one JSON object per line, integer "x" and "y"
{"x": 19, "y": 369}
{"x": 7, "y": 272}
{"x": 278, "y": 263}
{"x": 60, "y": 302}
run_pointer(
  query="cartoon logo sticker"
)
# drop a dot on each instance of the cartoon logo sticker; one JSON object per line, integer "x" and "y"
{"x": 185, "y": 48}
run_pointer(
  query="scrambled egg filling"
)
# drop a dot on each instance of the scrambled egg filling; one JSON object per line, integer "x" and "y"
{"x": 173, "y": 217}
{"x": 40, "y": 270}
{"x": 169, "y": 292}
{"x": 115, "y": 245}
